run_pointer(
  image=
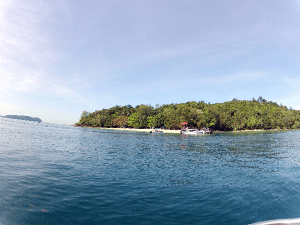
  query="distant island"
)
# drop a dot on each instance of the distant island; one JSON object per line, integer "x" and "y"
{"x": 22, "y": 117}
{"x": 234, "y": 115}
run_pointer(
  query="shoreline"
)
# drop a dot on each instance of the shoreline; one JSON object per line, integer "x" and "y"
{"x": 147, "y": 130}
{"x": 133, "y": 129}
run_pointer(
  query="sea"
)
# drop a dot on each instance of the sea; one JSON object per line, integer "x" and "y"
{"x": 59, "y": 174}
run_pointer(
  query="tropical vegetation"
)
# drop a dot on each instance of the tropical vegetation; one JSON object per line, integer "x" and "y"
{"x": 228, "y": 116}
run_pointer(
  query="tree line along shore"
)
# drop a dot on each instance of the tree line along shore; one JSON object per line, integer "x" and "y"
{"x": 235, "y": 115}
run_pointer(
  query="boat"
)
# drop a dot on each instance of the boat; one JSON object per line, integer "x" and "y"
{"x": 192, "y": 131}
{"x": 156, "y": 131}
{"x": 279, "y": 222}
{"x": 195, "y": 131}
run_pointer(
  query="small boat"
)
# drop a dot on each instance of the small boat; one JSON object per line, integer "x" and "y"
{"x": 279, "y": 222}
{"x": 192, "y": 132}
{"x": 195, "y": 131}
{"x": 156, "y": 131}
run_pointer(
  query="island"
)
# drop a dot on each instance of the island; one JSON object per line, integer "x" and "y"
{"x": 234, "y": 115}
{"x": 22, "y": 117}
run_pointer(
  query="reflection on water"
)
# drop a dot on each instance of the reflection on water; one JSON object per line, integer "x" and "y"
{"x": 54, "y": 174}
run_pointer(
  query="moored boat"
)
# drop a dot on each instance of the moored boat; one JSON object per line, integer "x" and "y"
{"x": 156, "y": 131}
{"x": 195, "y": 131}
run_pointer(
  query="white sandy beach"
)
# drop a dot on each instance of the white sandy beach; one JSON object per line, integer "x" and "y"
{"x": 143, "y": 130}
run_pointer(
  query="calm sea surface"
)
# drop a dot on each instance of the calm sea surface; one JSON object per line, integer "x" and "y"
{"x": 55, "y": 174}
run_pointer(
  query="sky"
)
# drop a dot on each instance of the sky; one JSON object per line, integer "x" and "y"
{"x": 59, "y": 58}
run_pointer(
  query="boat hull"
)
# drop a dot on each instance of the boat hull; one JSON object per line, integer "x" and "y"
{"x": 194, "y": 133}
{"x": 279, "y": 222}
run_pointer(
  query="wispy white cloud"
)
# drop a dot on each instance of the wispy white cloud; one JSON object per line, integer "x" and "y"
{"x": 101, "y": 53}
{"x": 24, "y": 48}
{"x": 23, "y": 37}
{"x": 27, "y": 51}
{"x": 13, "y": 84}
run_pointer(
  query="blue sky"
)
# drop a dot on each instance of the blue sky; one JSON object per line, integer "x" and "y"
{"x": 59, "y": 58}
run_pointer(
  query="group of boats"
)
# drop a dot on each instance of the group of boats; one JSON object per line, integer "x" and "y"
{"x": 187, "y": 131}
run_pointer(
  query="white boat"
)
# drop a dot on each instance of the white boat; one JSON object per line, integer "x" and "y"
{"x": 279, "y": 222}
{"x": 193, "y": 132}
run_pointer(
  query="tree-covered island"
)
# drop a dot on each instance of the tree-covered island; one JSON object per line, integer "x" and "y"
{"x": 228, "y": 116}
{"x": 22, "y": 117}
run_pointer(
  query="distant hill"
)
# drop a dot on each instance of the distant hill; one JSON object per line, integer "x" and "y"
{"x": 22, "y": 117}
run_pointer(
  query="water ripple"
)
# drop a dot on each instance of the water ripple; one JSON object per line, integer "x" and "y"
{"x": 55, "y": 174}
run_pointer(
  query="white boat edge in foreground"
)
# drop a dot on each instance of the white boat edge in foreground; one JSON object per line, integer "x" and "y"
{"x": 280, "y": 221}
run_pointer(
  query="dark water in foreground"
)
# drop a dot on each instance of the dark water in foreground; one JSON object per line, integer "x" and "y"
{"x": 54, "y": 174}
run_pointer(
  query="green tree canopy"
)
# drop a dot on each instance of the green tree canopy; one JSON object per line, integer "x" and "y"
{"x": 227, "y": 116}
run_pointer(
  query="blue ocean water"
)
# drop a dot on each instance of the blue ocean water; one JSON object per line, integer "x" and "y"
{"x": 56, "y": 174}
